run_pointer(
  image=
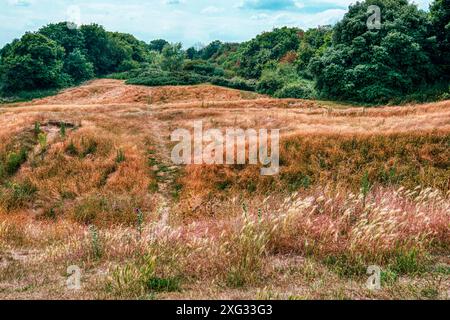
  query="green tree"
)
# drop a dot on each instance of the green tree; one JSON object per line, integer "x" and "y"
{"x": 158, "y": 45}
{"x": 78, "y": 66}
{"x": 210, "y": 50}
{"x": 314, "y": 43}
{"x": 376, "y": 65}
{"x": 266, "y": 50}
{"x": 33, "y": 62}
{"x": 440, "y": 20}
{"x": 103, "y": 49}
{"x": 172, "y": 57}
{"x": 69, "y": 38}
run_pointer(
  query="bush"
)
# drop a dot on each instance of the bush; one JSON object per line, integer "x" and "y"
{"x": 296, "y": 90}
{"x": 165, "y": 78}
{"x": 235, "y": 83}
{"x": 269, "y": 83}
{"x": 128, "y": 65}
{"x": 14, "y": 161}
{"x": 204, "y": 68}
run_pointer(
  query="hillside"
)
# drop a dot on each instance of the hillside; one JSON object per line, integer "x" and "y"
{"x": 87, "y": 180}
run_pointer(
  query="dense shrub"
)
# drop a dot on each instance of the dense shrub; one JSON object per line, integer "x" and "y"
{"x": 165, "y": 78}
{"x": 270, "y": 82}
{"x": 204, "y": 68}
{"x": 299, "y": 90}
{"x": 234, "y": 83}
{"x": 155, "y": 77}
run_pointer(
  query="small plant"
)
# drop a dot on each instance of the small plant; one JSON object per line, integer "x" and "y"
{"x": 365, "y": 187}
{"x": 140, "y": 221}
{"x": 14, "y": 161}
{"x": 37, "y": 128}
{"x": 388, "y": 277}
{"x": 42, "y": 138}
{"x": 71, "y": 149}
{"x": 62, "y": 130}
{"x": 90, "y": 147}
{"x": 120, "y": 157}
{"x": 95, "y": 242}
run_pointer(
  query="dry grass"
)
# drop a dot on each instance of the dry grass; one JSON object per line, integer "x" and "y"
{"x": 221, "y": 231}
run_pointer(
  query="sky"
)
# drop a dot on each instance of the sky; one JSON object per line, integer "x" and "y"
{"x": 187, "y": 21}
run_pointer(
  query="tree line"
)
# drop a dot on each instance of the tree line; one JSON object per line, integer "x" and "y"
{"x": 409, "y": 56}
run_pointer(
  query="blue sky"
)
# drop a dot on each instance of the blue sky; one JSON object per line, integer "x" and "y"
{"x": 186, "y": 21}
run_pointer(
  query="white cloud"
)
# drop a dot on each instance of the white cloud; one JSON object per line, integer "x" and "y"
{"x": 212, "y": 10}
{"x": 175, "y": 20}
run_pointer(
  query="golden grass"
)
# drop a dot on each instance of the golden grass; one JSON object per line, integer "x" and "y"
{"x": 229, "y": 233}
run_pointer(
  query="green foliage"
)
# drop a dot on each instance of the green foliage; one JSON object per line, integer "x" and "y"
{"x": 128, "y": 65}
{"x": 70, "y": 39}
{"x": 95, "y": 242}
{"x": 37, "y": 128}
{"x": 42, "y": 139}
{"x": 71, "y": 149}
{"x": 297, "y": 90}
{"x": 120, "y": 157}
{"x": 234, "y": 83}
{"x": 62, "y": 130}
{"x": 172, "y": 57}
{"x": 78, "y": 67}
{"x": 365, "y": 186}
{"x": 33, "y": 62}
{"x": 440, "y": 20}
{"x": 408, "y": 59}
{"x": 266, "y": 50}
{"x": 154, "y": 77}
{"x": 375, "y": 65}
{"x": 204, "y": 68}
{"x": 285, "y": 82}
{"x": 158, "y": 45}
{"x": 270, "y": 82}
{"x": 313, "y": 44}
{"x": 14, "y": 161}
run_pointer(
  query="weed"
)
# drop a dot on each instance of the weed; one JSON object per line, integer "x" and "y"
{"x": 120, "y": 157}
{"x": 62, "y": 130}
{"x": 140, "y": 222}
{"x": 365, "y": 187}
{"x": 71, "y": 149}
{"x": 89, "y": 147}
{"x": 408, "y": 262}
{"x": 95, "y": 242}
{"x": 42, "y": 139}
{"x": 37, "y": 128}
{"x": 14, "y": 161}
{"x": 388, "y": 277}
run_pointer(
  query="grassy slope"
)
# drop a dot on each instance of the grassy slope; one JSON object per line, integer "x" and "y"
{"x": 307, "y": 233}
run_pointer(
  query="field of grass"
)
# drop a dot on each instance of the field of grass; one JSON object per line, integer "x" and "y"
{"x": 86, "y": 179}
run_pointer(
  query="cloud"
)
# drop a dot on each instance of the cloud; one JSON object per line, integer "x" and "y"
{"x": 270, "y": 5}
{"x": 212, "y": 10}
{"x": 20, "y": 3}
{"x": 186, "y": 21}
{"x": 173, "y": 2}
